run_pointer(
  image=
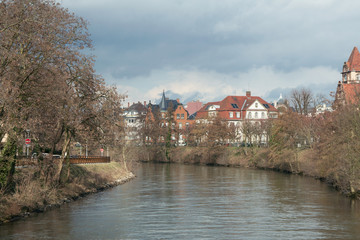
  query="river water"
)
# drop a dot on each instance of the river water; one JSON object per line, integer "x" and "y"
{"x": 173, "y": 201}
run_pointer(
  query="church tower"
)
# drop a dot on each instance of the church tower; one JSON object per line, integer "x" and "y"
{"x": 348, "y": 90}
{"x": 351, "y": 68}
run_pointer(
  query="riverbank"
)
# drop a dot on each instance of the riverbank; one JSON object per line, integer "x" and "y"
{"x": 33, "y": 196}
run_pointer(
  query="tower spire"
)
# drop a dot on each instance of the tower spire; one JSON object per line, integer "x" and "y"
{"x": 163, "y": 102}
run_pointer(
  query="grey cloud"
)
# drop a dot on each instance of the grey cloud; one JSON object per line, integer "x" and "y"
{"x": 132, "y": 38}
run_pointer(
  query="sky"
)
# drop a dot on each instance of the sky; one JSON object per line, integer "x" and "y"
{"x": 208, "y": 49}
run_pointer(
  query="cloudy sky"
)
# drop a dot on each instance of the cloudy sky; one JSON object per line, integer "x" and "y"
{"x": 207, "y": 49}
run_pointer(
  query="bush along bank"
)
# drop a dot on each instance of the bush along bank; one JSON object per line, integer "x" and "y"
{"x": 32, "y": 194}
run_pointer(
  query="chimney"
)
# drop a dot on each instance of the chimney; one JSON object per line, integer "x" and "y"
{"x": 144, "y": 103}
{"x": 248, "y": 93}
{"x": 178, "y": 100}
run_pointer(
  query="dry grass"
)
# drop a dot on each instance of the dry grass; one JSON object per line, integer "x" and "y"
{"x": 33, "y": 194}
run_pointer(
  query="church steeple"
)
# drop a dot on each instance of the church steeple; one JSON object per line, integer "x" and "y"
{"x": 163, "y": 102}
{"x": 351, "y": 68}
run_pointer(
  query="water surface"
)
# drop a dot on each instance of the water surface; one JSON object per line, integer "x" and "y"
{"x": 172, "y": 201}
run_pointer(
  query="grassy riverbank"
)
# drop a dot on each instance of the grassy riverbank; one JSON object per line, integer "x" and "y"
{"x": 32, "y": 195}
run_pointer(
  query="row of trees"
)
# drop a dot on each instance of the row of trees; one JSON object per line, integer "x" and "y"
{"x": 48, "y": 84}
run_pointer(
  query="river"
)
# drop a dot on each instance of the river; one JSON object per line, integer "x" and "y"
{"x": 173, "y": 201}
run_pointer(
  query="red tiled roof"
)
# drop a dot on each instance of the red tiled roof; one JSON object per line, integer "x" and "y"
{"x": 193, "y": 107}
{"x": 228, "y": 103}
{"x": 352, "y": 92}
{"x": 354, "y": 60}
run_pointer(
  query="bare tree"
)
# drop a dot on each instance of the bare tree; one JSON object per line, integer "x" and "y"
{"x": 301, "y": 100}
{"x": 47, "y": 83}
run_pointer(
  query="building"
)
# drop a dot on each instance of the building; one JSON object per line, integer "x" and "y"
{"x": 348, "y": 89}
{"x": 170, "y": 111}
{"x": 237, "y": 110}
{"x": 134, "y": 117}
{"x": 281, "y": 105}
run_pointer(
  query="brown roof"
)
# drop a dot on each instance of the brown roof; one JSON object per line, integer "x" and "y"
{"x": 354, "y": 60}
{"x": 352, "y": 93}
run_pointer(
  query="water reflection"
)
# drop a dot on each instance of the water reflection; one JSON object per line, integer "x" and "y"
{"x": 170, "y": 201}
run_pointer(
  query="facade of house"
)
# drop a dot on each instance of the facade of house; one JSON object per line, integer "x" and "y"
{"x": 348, "y": 89}
{"x": 173, "y": 111}
{"x": 239, "y": 109}
{"x": 134, "y": 117}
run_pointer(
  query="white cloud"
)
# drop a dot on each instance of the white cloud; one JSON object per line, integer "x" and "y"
{"x": 213, "y": 86}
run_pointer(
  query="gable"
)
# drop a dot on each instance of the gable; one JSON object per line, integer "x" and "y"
{"x": 256, "y": 105}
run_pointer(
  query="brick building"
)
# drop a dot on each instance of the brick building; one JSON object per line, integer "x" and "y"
{"x": 348, "y": 89}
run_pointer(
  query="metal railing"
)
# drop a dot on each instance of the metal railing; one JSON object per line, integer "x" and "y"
{"x": 89, "y": 159}
{"x": 73, "y": 160}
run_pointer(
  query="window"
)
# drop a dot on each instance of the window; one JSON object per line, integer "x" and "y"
{"x": 256, "y": 105}
{"x": 178, "y": 116}
{"x": 249, "y": 115}
{"x": 266, "y": 105}
{"x": 256, "y": 115}
{"x": 180, "y": 125}
{"x": 238, "y": 114}
{"x": 234, "y": 105}
{"x": 212, "y": 114}
{"x": 263, "y": 115}
{"x": 182, "y": 116}
{"x": 358, "y": 77}
{"x": 231, "y": 114}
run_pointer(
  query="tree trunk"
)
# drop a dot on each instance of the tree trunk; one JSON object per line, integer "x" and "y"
{"x": 64, "y": 155}
{"x": 124, "y": 156}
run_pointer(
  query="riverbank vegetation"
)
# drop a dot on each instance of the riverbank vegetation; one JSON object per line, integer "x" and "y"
{"x": 32, "y": 194}
{"x": 51, "y": 95}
